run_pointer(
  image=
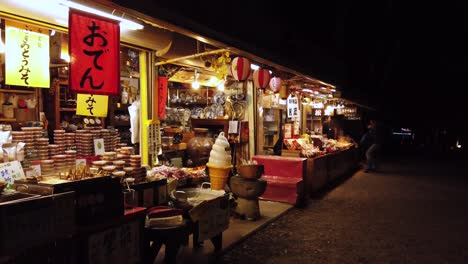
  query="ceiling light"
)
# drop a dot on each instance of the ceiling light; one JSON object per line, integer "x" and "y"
{"x": 124, "y": 23}
{"x": 333, "y": 90}
{"x": 307, "y": 90}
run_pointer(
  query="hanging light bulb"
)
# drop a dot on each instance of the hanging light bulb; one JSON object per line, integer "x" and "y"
{"x": 305, "y": 100}
{"x": 195, "y": 83}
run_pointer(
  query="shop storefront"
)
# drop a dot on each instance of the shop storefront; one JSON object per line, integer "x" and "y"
{"x": 104, "y": 116}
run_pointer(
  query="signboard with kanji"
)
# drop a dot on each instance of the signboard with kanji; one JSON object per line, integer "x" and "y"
{"x": 27, "y": 59}
{"x": 94, "y": 53}
{"x": 92, "y": 105}
{"x": 293, "y": 106}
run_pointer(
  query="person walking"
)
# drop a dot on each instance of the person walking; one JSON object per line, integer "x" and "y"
{"x": 370, "y": 142}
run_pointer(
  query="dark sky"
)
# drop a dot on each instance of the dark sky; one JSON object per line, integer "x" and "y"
{"x": 409, "y": 61}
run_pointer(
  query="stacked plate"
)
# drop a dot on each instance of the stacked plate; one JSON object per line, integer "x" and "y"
{"x": 42, "y": 145}
{"x": 84, "y": 143}
{"x": 135, "y": 161}
{"x": 70, "y": 140}
{"x": 119, "y": 164}
{"x": 105, "y": 133}
{"x": 60, "y": 163}
{"x": 115, "y": 138}
{"x": 125, "y": 153}
{"x": 30, "y": 151}
{"x": 59, "y": 139}
{"x": 54, "y": 150}
{"x": 47, "y": 167}
{"x": 71, "y": 158}
{"x": 17, "y": 136}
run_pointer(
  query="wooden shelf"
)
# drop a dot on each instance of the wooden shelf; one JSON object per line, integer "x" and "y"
{"x": 17, "y": 91}
{"x": 67, "y": 109}
{"x": 7, "y": 119}
{"x": 121, "y": 123}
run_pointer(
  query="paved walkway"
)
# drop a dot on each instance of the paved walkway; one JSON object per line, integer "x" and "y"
{"x": 413, "y": 211}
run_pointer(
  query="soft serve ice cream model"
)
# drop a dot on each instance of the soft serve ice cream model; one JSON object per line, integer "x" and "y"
{"x": 219, "y": 163}
{"x": 220, "y": 154}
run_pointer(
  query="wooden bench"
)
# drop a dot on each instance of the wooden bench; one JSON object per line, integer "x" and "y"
{"x": 285, "y": 178}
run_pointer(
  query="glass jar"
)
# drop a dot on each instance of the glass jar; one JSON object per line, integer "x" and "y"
{"x": 198, "y": 148}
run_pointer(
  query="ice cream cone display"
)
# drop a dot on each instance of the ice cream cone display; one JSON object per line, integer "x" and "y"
{"x": 219, "y": 163}
{"x": 218, "y": 175}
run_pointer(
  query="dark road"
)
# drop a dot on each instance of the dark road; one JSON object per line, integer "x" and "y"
{"x": 414, "y": 211}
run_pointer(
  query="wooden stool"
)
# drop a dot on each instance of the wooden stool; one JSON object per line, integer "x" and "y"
{"x": 171, "y": 236}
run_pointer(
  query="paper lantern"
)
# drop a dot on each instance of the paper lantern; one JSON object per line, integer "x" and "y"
{"x": 275, "y": 84}
{"x": 240, "y": 68}
{"x": 261, "y": 78}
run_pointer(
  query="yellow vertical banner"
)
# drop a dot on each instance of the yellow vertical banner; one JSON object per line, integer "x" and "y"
{"x": 26, "y": 55}
{"x": 92, "y": 105}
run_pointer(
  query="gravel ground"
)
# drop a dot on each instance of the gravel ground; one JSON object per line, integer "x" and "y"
{"x": 412, "y": 211}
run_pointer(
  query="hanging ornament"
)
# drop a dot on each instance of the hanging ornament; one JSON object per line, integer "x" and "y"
{"x": 261, "y": 78}
{"x": 275, "y": 84}
{"x": 240, "y": 68}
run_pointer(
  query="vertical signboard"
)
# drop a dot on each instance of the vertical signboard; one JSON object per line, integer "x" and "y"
{"x": 27, "y": 59}
{"x": 94, "y": 54}
{"x": 293, "y": 106}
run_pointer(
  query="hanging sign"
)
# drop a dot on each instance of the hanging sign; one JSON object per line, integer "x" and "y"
{"x": 94, "y": 54}
{"x": 293, "y": 106}
{"x": 91, "y": 105}
{"x": 27, "y": 59}
{"x": 162, "y": 98}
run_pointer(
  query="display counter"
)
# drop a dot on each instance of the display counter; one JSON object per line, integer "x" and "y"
{"x": 323, "y": 169}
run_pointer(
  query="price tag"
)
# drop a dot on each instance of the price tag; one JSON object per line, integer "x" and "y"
{"x": 99, "y": 146}
{"x": 233, "y": 127}
{"x": 80, "y": 162}
{"x": 36, "y": 170}
{"x": 11, "y": 171}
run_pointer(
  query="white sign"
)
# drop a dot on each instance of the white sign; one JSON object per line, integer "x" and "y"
{"x": 233, "y": 127}
{"x": 11, "y": 171}
{"x": 293, "y": 106}
{"x": 99, "y": 146}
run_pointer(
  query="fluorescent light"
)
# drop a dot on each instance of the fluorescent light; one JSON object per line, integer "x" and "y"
{"x": 333, "y": 90}
{"x": 307, "y": 90}
{"x": 254, "y": 67}
{"x": 323, "y": 88}
{"x": 124, "y": 23}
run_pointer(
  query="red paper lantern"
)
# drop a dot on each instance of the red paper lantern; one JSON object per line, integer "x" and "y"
{"x": 261, "y": 78}
{"x": 240, "y": 68}
{"x": 275, "y": 84}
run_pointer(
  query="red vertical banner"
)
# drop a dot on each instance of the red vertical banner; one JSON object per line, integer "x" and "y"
{"x": 94, "y": 53}
{"x": 162, "y": 98}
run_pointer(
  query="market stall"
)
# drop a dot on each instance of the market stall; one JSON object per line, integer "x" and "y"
{"x": 121, "y": 131}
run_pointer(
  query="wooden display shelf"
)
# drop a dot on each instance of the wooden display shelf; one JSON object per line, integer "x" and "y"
{"x": 67, "y": 109}
{"x": 7, "y": 119}
{"x": 17, "y": 91}
{"x": 121, "y": 123}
